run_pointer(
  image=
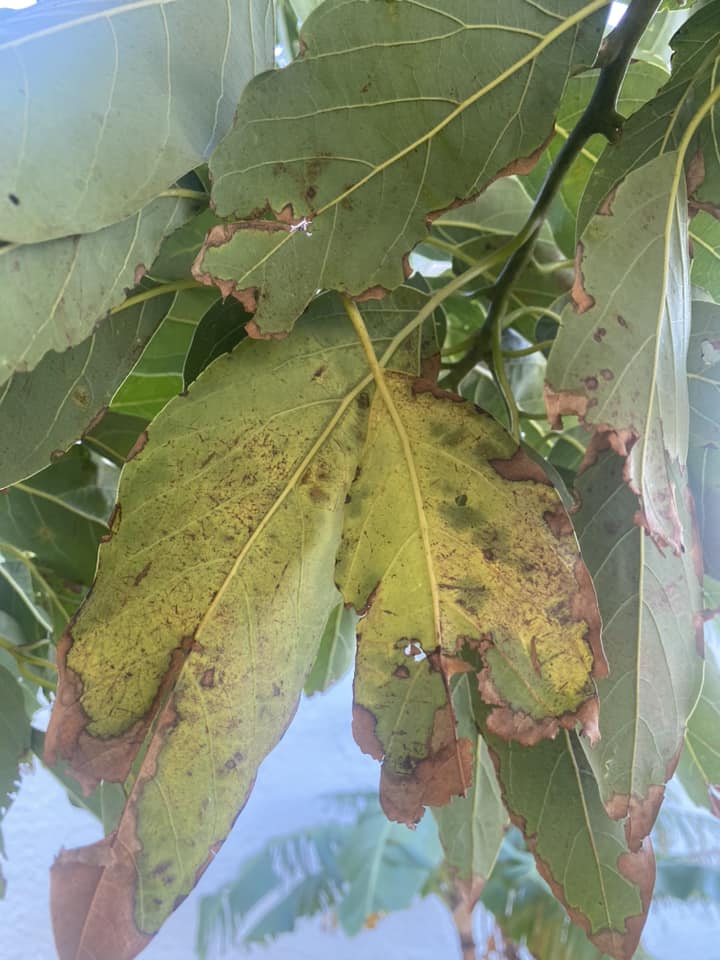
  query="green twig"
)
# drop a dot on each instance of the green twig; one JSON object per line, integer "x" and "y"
{"x": 526, "y": 351}
{"x": 184, "y": 193}
{"x": 599, "y": 117}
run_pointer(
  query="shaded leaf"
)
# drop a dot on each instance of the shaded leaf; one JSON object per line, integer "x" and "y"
{"x": 114, "y": 436}
{"x": 657, "y": 128}
{"x": 158, "y": 376}
{"x": 684, "y": 881}
{"x": 385, "y": 865}
{"x": 472, "y": 828}
{"x": 219, "y": 615}
{"x": 61, "y": 506}
{"x": 699, "y": 768}
{"x": 431, "y": 557}
{"x": 704, "y": 471}
{"x": 14, "y": 744}
{"x": 44, "y": 411}
{"x": 124, "y": 97}
{"x": 552, "y": 796}
{"x": 179, "y": 250}
{"x": 704, "y": 374}
{"x": 336, "y": 652}
{"x": 221, "y": 329}
{"x": 54, "y": 293}
{"x": 618, "y": 360}
{"x": 649, "y": 601}
{"x": 382, "y": 139}
{"x": 705, "y": 250}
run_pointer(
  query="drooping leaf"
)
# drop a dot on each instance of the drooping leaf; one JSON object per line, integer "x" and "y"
{"x": 336, "y": 652}
{"x": 14, "y": 743}
{"x": 55, "y": 292}
{"x": 699, "y": 767}
{"x": 186, "y": 662}
{"x": 472, "y": 828}
{"x": 618, "y": 360}
{"x": 382, "y": 139}
{"x": 657, "y": 128}
{"x": 650, "y": 600}
{"x": 106, "y": 802}
{"x": 107, "y": 103}
{"x": 46, "y": 410}
{"x": 551, "y": 794}
{"x": 159, "y": 375}
{"x": 59, "y": 506}
{"x": 432, "y": 557}
{"x": 385, "y": 865}
{"x": 526, "y": 910}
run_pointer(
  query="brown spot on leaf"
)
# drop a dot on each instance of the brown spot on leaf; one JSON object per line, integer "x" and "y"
{"x": 591, "y": 383}
{"x": 140, "y": 271}
{"x": 622, "y": 321}
{"x": 607, "y": 374}
{"x": 401, "y": 672}
{"x": 363, "y": 728}
{"x": 695, "y": 173}
{"x": 208, "y": 678}
{"x": 143, "y": 573}
{"x": 520, "y": 467}
{"x": 560, "y": 403}
{"x": 582, "y": 300}
{"x": 599, "y": 334}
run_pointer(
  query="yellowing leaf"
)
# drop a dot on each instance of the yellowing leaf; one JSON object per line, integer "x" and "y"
{"x": 455, "y": 539}
{"x": 185, "y": 664}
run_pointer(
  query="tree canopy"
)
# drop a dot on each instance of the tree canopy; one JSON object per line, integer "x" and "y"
{"x": 402, "y": 357}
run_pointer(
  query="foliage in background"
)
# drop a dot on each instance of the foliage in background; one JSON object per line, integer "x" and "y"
{"x": 354, "y": 360}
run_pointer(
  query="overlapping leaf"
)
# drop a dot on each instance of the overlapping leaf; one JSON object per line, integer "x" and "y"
{"x": 44, "y": 411}
{"x": 552, "y": 796}
{"x": 159, "y": 375}
{"x": 699, "y": 767}
{"x": 336, "y": 652}
{"x": 472, "y": 828}
{"x": 619, "y": 357}
{"x": 432, "y": 556}
{"x": 107, "y": 103}
{"x": 657, "y": 128}
{"x": 649, "y": 599}
{"x": 61, "y": 505}
{"x": 54, "y": 293}
{"x": 365, "y": 137}
{"x": 14, "y": 743}
{"x": 217, "y": 582}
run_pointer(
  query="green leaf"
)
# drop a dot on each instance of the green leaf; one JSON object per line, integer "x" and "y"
{"x": 158, "y": 376}
{"x": 704, "y": 471}
{"x": 54, "y": 293}
{"x": 382, "y": 139}
{"x": 618, "y": 360}
{"x": 431, "y": 556}
{"x": 186, "y": 662}
{"x": 472, "y": 828}
{"x": 657, "y": 128}
{"x": 705, "y": 239}
{"x": 649, "y": 599}
{"x": 107, "y": 103}
{"x": 14, "y": 743}
{"x": 704, "y": 374}
{"x": 337, "y": 650}
{"x": 114, "y": 436}
{"x": 684, "y": 881}
{"x": 526, "y": 910}
{"x": 699, "y": 768}
{"x": 552, "y": 797}
{"x": 178, "y": 251}
{"x": 221, "y": 329}
{"x": 43, "y": 412}
{"x": 385, "y": 865}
